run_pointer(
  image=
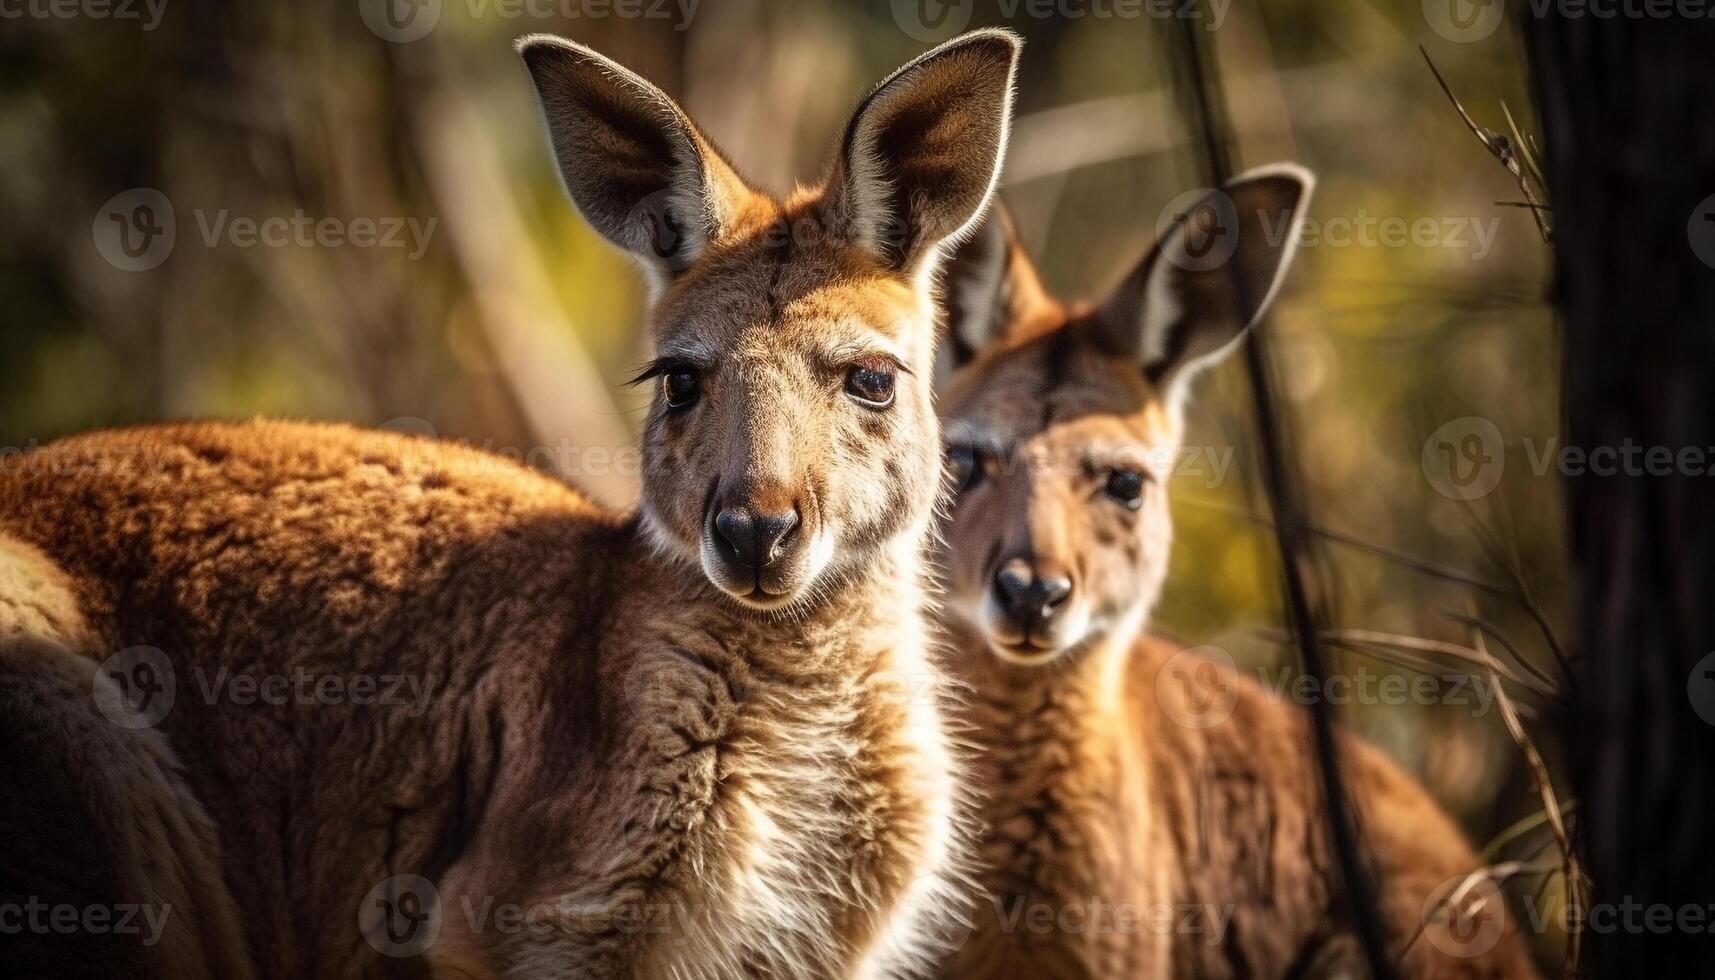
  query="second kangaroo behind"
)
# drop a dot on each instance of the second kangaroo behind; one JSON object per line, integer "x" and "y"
{"x": 1148, "y": 814}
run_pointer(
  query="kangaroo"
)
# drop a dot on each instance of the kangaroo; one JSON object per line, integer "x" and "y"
{"x": 1148, "y": 812}
{"x": 690, "y": 741}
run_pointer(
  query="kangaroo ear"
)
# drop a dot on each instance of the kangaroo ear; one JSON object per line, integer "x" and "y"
{"x": 991, "y": 291}
{"x": 632, "y": 161}
{"x": 1214, "y": 272}
{"x": 977, "y": 285}
{"x": 922, "y": 154}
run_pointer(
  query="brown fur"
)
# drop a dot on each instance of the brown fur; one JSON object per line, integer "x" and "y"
{"x": 1103, "y": 784}
{"x": 643, "y": 768}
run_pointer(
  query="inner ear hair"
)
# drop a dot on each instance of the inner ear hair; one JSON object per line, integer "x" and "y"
{"x": 1212, "y": 275}
{"x": 991, "y": 293}
{"x": 635, "y": 165}
{"x": 922, "y": 153}
{"x": 977, "y": 285}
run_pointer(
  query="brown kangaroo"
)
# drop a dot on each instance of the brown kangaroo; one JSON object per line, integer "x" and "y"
{"x": 700, "y": 740}
{"x": 1148, "y": 812}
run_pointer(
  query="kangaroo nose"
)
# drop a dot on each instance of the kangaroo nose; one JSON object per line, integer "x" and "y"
{"x": 1027, "y": 594}
{"x": 755, "y": 539}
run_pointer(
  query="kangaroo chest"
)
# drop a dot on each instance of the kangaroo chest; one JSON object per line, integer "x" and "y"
{"x": 1073, "y": 881}
{"x": 789, "y": 819}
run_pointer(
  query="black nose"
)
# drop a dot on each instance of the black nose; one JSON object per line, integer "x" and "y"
{"x": 1028, "y": 594}
{"x": 754, "y": 539}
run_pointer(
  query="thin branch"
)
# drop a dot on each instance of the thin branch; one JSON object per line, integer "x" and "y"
{"x": 1292, "y": 538}
{"x": 1515, "y": 594}
{"x": 1544, "y": 786}
{"x": 1506, "y": 150}
{"x": 1501, "y": 638}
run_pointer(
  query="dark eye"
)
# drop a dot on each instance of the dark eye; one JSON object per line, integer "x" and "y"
{"x": 1125, "y": 486}
{"x": 872, "y": 387}
{"x": 681, "y": 388}
{"x": 966, "y": 465}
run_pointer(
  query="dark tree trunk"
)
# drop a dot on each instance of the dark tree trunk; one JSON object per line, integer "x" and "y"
{"x": 1627, "y": 107}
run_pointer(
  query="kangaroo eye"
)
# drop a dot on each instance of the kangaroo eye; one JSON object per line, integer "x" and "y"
{"x": 681, "y": 388}
{"x": 1125, "y": 486}
{"x": 966, "y": 465}
{"x": 872, "y": 387}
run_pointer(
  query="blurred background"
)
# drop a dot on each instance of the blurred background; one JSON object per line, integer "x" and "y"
{"x": 347, "y": 210}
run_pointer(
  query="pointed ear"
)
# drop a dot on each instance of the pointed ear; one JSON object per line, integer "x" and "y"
{"x": 1218, "y": 264}
{"x": 922, "y": 154}
{"x": 632, "y": 161}
{"x": 989, "y": 287}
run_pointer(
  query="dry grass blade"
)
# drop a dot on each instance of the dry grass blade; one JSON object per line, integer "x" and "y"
{"x": 1544, "y": 785}
{"x": 1507, "y": 150}
{"x": 1497, "y": 873}
{"x": 1519, "y": 592}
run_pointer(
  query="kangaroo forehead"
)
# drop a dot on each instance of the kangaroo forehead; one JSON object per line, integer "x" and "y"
{"x": 1060, "y": 384}
{"x": 780, "y": 300}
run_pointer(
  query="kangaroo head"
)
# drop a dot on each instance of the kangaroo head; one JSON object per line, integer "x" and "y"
{"x": 792, "y": 440}
{"x": 1063, "y": 423}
